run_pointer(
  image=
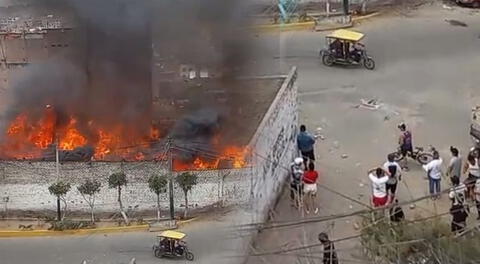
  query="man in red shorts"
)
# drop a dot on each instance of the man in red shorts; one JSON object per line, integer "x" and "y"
{"x": 379, "y": 178}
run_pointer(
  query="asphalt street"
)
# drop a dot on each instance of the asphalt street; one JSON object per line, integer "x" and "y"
{"x": 209, "y": 239}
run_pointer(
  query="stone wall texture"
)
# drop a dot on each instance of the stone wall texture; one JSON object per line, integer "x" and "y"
{"x": 24, "y": 185}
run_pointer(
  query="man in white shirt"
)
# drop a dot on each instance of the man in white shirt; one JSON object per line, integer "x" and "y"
{"x": 379, "y": 178}
{"x": 434, "y": 173}
{"x": 395, "y": 172}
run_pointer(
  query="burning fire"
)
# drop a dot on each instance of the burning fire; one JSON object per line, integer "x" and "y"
{"x": 236, "y": 156}
{"x": 28, "y": 139}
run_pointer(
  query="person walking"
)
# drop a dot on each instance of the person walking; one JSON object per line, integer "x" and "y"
{"x": 310, "y": 188}
{"x": 296, "y": 174}
{"x": 472, "y": 169}
{"x": 405, "y": 142}
{"x": 305, "y": 143}
{"x": 459, "y": 218}
{"x": 455, "y": 166}
{"x": 329, "y": 253}
{"x": 434, "y": 174}
{"x": 395, "y": 172}
{"x": 379, "y": 178}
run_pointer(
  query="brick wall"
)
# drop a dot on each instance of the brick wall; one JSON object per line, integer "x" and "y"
{"x": 26, "y": 185}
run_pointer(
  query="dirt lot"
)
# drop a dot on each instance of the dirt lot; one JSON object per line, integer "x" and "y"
{"x": 426, "y": 76}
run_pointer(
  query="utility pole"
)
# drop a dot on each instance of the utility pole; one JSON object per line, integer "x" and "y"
{"x": 346, "y": 7}
{"x": 170, "y": 182}
{"x": 57, "y": 165}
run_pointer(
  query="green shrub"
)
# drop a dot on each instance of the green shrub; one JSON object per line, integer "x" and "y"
{"x": 70, "y": 225}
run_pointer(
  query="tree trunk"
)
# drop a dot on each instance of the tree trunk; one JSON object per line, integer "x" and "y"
{"x": 93, "y": 216}
{"x": 158, "y": 207}
{"x": 64, "y": 208}
{"x": 124, "y": 215}
{"x": 186, "y": 206}
{"x": 92, "y": 206}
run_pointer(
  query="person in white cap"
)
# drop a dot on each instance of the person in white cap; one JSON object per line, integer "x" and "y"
{"x": 296, "y": 175}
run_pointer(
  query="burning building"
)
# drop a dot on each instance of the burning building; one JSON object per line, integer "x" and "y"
{"x": 122, "y": 91}
{"x": 129, "y": 92}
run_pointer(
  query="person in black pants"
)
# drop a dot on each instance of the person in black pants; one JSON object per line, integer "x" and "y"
{"x": 459, "y": 218}
{"x": 329, "y": 253}
{"x": 305, "y": 143}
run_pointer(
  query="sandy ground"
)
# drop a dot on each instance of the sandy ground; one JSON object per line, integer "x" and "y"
{"x": 426, "y": 75}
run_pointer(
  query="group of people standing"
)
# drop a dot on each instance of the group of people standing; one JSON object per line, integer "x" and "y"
{"x": 303, "y": 181}
{"x": 463, "y": 193}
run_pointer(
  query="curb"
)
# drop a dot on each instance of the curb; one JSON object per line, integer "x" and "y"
{"x": 360, "y": 18}
{"x": 308, "y": 25}
{"x": 285, "y": 27}
{"x": 105, "y": 230}
{"x": 333, "y": 27}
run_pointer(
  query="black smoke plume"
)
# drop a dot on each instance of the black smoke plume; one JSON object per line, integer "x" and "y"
{"x": 106, "y": 77}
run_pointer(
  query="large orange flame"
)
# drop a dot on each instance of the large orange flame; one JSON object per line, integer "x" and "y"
{"x": 27, "y": 138}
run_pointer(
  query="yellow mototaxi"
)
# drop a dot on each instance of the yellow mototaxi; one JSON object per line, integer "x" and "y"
{"x": 344, "y": 47}
{"x": 171, "y": 244}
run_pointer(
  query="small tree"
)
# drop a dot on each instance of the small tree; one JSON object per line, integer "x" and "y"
{"x": 59, "y": 190}
{"x": 118, "y": 180}
{"x": 186, "y": 181}
{"x": 157, "y": 184}
{"x": 88, "y": 190}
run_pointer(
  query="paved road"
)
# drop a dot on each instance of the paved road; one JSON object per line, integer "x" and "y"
{"x": 427, "y": 72}
{"x": 208, "y": 239}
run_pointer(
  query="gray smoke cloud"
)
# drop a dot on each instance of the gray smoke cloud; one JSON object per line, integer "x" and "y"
{"x": 106, "y": 77}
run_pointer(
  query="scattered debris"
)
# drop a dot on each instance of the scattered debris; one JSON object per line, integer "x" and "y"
{"x": 358, "y": 164}
{"x": 412, "y": 206}
{"x": 320, "y": 136}
{"x": 336, "y": 144}
{"x": 456, "y": 23}
{"x": 344, "y": 156}
{"x": 447, "y": 7}
{"x": 372, "y": 104}
{"x": 356, "y": 226}
{"x": 361, "y": 185}
{"x": 350, "y": 206}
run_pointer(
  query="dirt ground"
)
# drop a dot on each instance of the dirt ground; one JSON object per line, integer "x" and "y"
{"x": 426, "y": 76}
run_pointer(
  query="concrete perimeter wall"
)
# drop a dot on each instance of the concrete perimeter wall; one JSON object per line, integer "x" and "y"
{"x": 275, "y": 146}
{"x": 26, "y": 186}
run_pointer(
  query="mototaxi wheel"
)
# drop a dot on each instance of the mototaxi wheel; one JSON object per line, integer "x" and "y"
{"x": 397, "y": 156}
{"x": 424, "y": 158}
{"x": 189, "y": 256}
{"x": 369, "y": 63}
{"x": 158, "y": 253}
{"x": 328, "y": 59}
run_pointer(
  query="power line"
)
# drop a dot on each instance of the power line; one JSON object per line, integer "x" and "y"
{"x": 271, "y": 225}
{"x": 359, "y": 235}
